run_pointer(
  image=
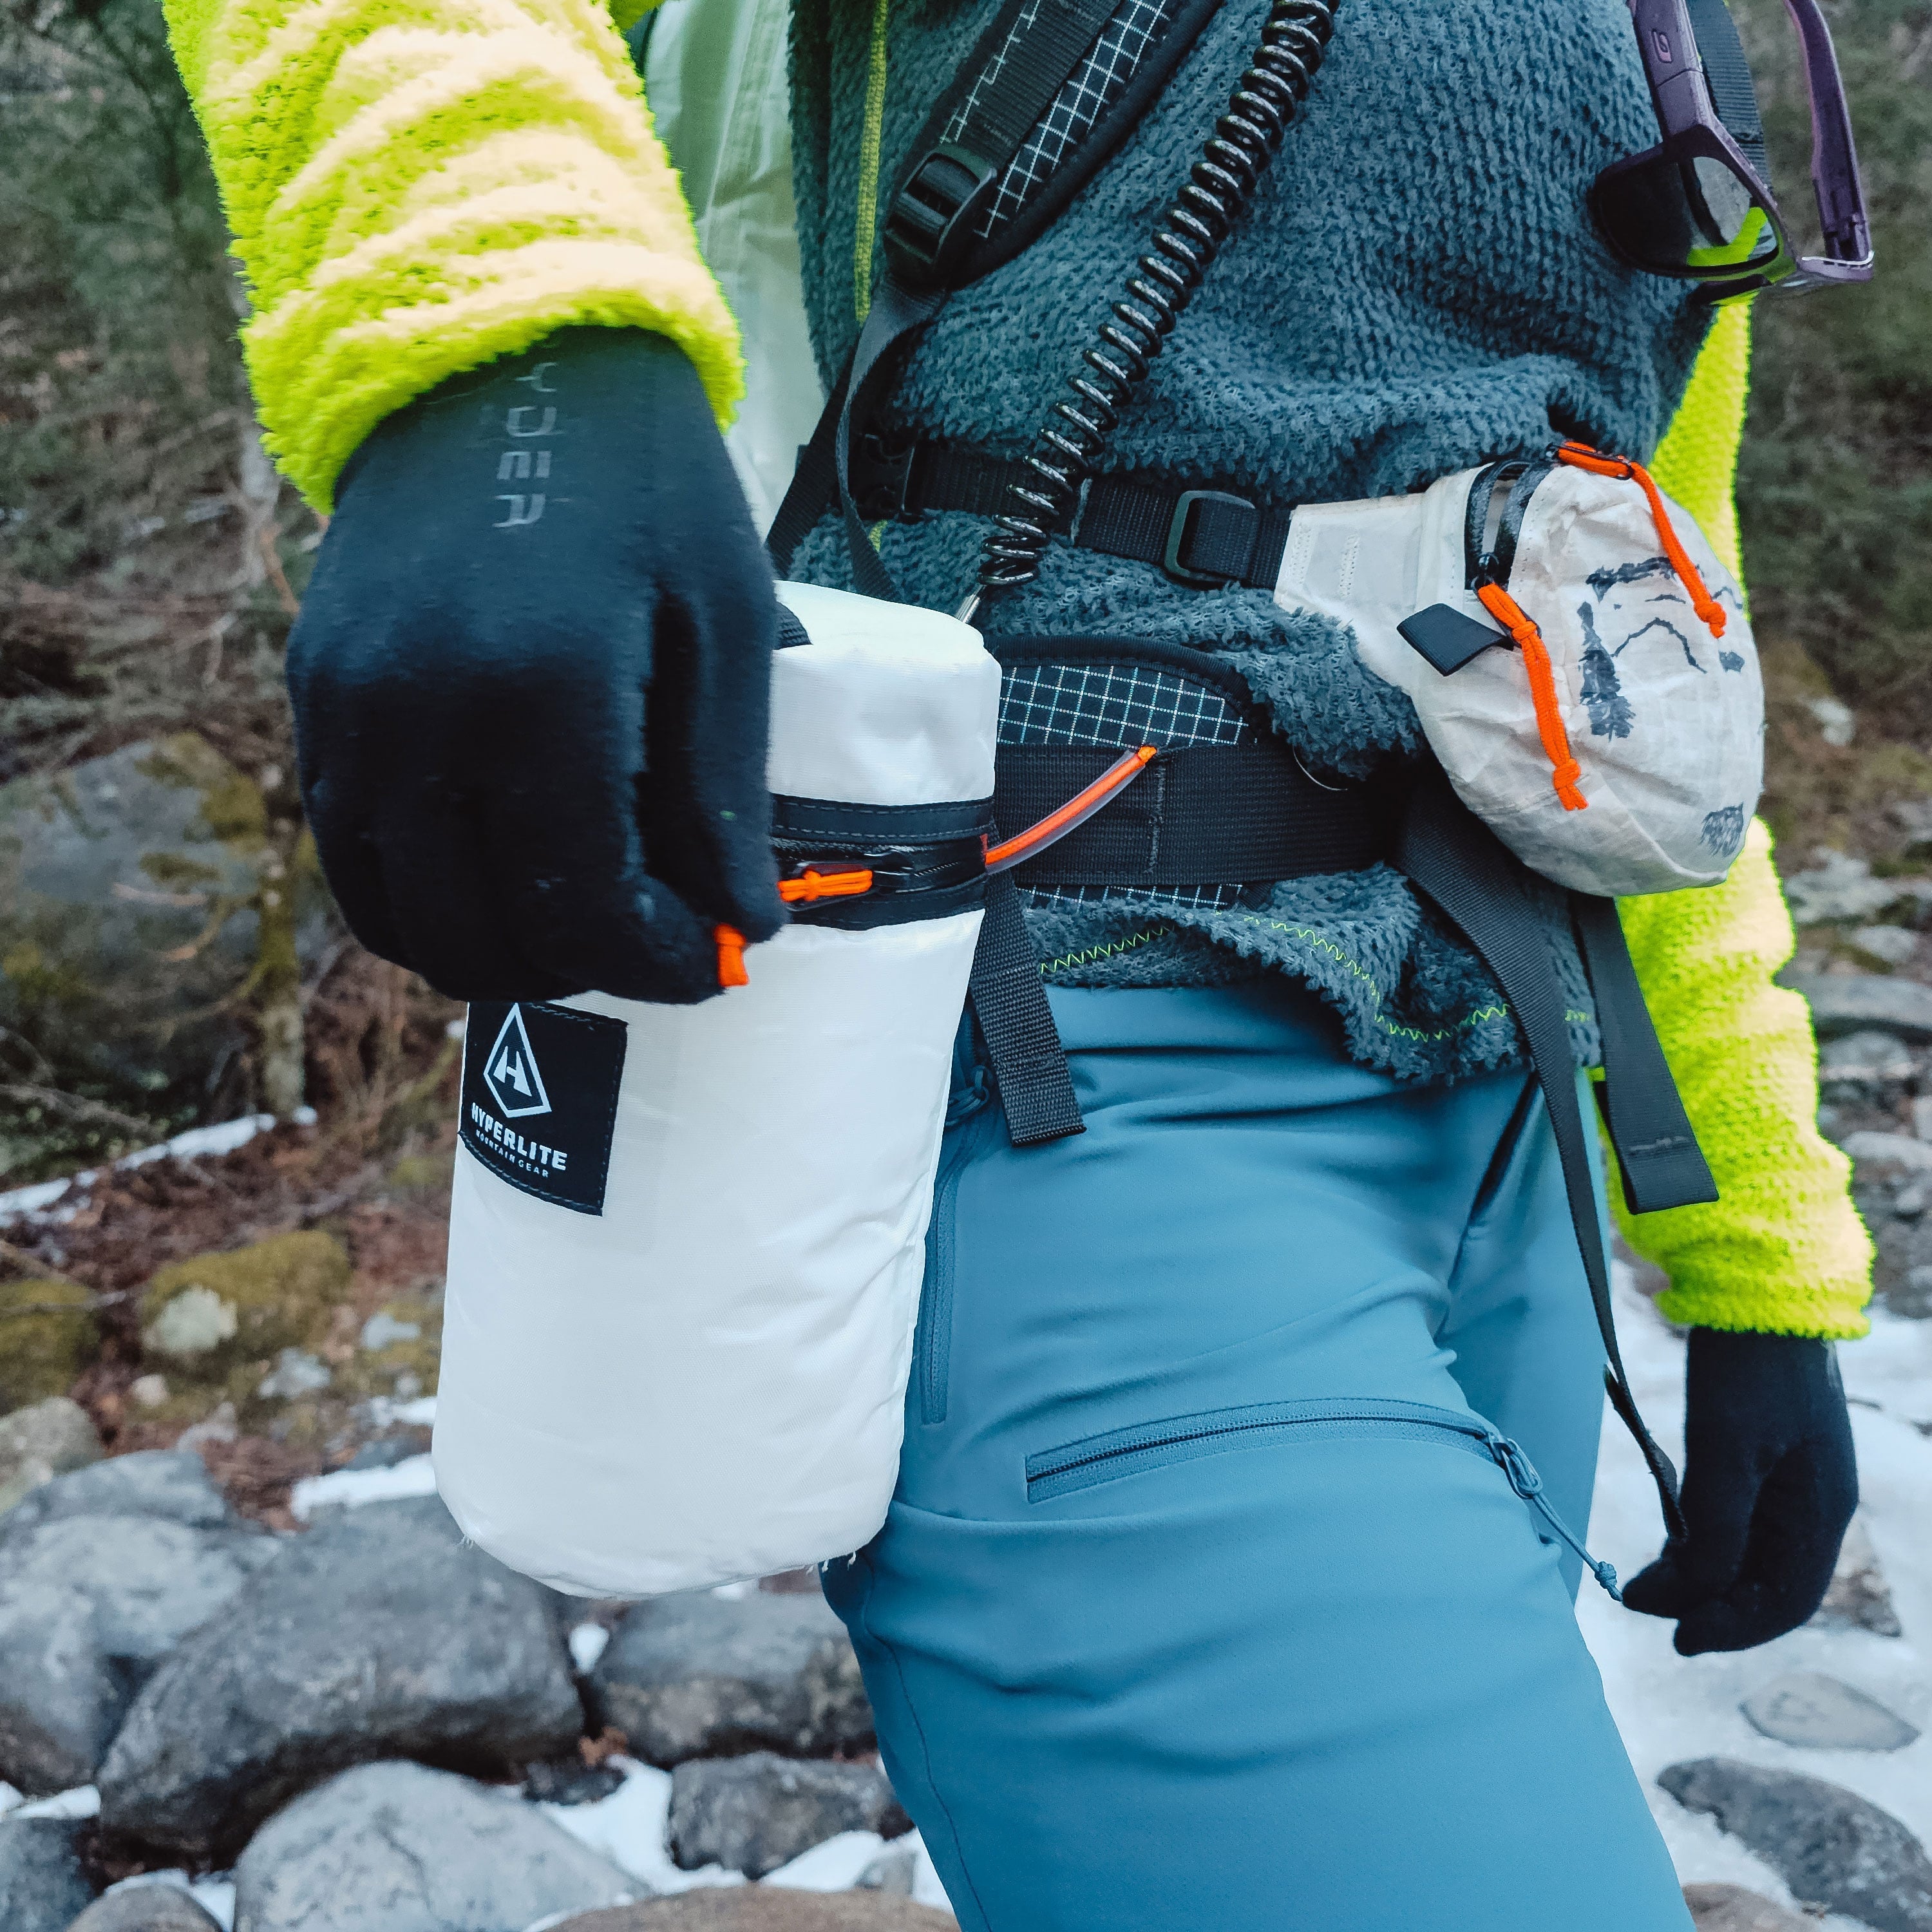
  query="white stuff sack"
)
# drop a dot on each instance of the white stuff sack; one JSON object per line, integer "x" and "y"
{"x": 1666, "y": 721}
{"x": 703, "y": 1382}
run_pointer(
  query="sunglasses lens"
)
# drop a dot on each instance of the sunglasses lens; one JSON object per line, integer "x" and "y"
{"x": 1692, "y": 217}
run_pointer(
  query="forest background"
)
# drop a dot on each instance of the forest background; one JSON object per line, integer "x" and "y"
{"x": 151, "y": 563}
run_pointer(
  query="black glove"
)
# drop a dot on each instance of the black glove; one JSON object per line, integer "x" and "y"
{"x": 1770, "y": 1482}
{"x": 531, "y": 680}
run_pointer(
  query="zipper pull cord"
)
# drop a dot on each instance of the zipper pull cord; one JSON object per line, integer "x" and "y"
{"x": 1581, "y": 456}
{"x": 1528, "y": 1484}
{"x": 1565, "y": 770}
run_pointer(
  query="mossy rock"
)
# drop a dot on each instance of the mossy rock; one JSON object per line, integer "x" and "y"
{"x": 41, "y": 1353}
{"x": 424, "y": 1176}
{"x": 207, "y": 1316}
{"x": 376, "y": 1370}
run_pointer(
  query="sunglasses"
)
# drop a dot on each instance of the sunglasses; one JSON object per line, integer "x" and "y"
{"x": 1699, "y": 204}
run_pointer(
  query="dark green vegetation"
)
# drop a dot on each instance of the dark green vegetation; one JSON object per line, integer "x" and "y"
{"x": 1836, "y": 487}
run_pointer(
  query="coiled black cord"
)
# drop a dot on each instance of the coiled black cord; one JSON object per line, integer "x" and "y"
{"x": 1190, "y": 235}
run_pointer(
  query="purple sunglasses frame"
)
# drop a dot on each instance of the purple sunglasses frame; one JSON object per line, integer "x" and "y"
{"x": 1688, "y": 122}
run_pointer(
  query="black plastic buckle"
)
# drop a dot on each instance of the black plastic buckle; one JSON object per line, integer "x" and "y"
{"x": 930, "y": 224}
{"x": 1178, "y": 532}
{"x": 879, "y": 473}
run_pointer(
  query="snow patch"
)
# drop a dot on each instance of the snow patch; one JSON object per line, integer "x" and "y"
{"x": 1670, "y": 1708}
{"x": 349, "y": 1488}
{"x": 835, "y": 1865}
{"x": 82, "y": 1802}
{"x": 631, "y": 1828}
{"x": 224, "y": 1138}
{"x": 587, "y": 1645}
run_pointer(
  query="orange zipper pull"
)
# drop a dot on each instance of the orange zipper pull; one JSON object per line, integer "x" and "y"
{"x": 1521, "y": 626}
{"x": 812, "y": 886}
{"x": 731, "y": 957}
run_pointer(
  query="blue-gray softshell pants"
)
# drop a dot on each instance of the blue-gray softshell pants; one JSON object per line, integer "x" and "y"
{"x": 1203, "y": 1601}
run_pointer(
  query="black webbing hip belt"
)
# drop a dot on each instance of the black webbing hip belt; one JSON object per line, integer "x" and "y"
{"x": 1246, "y": 813}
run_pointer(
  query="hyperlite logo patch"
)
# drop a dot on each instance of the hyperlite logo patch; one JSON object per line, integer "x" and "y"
{"x": 540, "y": 1098}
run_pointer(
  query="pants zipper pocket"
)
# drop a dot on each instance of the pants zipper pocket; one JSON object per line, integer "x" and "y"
{"x": 1126, "y": 1452}
{"x": 933, "y": 1353}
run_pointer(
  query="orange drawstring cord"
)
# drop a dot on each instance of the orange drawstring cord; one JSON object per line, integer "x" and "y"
{"x": 1581, "y": 456}
{"x": 1508, "y": 613}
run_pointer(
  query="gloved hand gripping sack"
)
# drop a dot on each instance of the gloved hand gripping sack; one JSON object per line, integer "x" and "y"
{"x": 686, "y": 1241}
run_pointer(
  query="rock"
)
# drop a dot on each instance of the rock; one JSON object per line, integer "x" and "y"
{"x": 380, "y": 1634}
{"x": 89, "y": 1606}
{"x": 171, "y": 1485}
{"x": 394, "y": 1847}
{"x": 1729, "y": 1908}
{"x": 1837, "y": 724}
{"x": 754, "y": 1813}
{"x": 49, "y": 1334}
{"x": 1859, "y": 1597}
{"x": 895, "y": 1870}
{"x": 569, "y": 1780}
{"x": 750, "y": 1909}
{"x": 401, "y": 1343}
{"x": 43, "y": 1882}
{"x": 382, "y": 1328}
{"x": 41, "y": 1443}
{"x": 1867, "y": 1065}
{"x": 145, "y": 1908}
{"x": 213, "y": 1313}
{"x": 1891, "y": 945}
{"x": 296, "y": 1373}
{"x": 1807, "y": 1708}
{"x": 697, "y": 1675}
{"x": 1912, "y": 1296}
{"x": 1831, "y": 1847}
{"x": 1870, "y": 1147}
{"x": 109, "y": 873}
{"x": 1838, "y": 887}
{"x": 1846, "y": 1002}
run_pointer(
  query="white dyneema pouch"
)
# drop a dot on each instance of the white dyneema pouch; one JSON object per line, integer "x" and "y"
{"x": 1580, "y": 659}
{"x": 686, "y": 1242}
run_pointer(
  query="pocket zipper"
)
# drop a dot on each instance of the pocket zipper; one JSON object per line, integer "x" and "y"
{"x": 933, "y": 1366}
{"x": 1078, "y": 1465}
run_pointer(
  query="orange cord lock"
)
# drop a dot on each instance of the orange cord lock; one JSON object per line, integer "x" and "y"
{"x": 1581, "y": 456}
{"x": 1521, "y": 626}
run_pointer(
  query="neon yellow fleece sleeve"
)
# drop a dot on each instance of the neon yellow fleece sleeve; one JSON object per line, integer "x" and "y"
{"x": 417, "y": 186}
{"x": 1782, "y": 1249}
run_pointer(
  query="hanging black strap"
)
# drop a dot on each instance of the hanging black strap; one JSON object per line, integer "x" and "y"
{"x": 1656, "y": 1146}
{"x": 1453, "y": 857}
{"x": 1009, "y": 1003}
{"x": 812, "y": 481}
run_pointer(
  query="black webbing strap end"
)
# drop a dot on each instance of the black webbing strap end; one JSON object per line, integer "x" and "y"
{"x": 1009, "y": 1003}
{"x": 1656, "y": 1146}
